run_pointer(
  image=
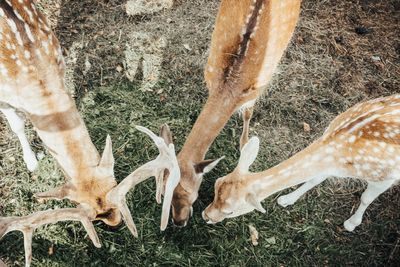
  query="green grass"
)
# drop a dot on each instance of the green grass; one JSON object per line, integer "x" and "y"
{"x": 309, "y": 233}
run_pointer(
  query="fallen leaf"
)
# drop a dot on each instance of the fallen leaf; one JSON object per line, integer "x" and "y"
{"x": 271, "y": 240}
{"x": 119, "y": 68}
{"x": 306, "y": 127}
{"x": 253, "y": 235}
{"x": 88, "y": 66}
{"x": 51, "y": 250}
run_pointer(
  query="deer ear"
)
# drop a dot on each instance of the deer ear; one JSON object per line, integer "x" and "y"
{"x": 248, "y": 154}
{"x": 206, "y": 165}
{"x": 107, "y": 159}
{"x": 165, "y": 133}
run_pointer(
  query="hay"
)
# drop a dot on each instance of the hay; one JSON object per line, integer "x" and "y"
{"x": 141, "y": 7}
{"x": 51, "y": 9}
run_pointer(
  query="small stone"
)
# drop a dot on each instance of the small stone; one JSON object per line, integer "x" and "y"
{"x": 119, "y": 68}
{"x": 376, "y": 58}
{"x": 339, "y": 39}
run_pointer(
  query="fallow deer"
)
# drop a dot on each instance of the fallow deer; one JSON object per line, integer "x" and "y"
{"x": 248, "y": 41}
{"x": 32, "y": 81}
{"x": 361, "y": 143}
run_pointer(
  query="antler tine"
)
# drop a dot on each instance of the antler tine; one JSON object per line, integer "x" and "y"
{"x": 28, "y": 224}
{"x": 159, "y": 186}
{"x": 164, "y": 148}
{"x": 166, "y": 160}
{"x": 172, "y": 182}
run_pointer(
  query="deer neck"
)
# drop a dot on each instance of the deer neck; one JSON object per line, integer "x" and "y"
{"x": 64, "y": 133}
{"x": 310, "y": 163}
{"x": 212, "y": 119}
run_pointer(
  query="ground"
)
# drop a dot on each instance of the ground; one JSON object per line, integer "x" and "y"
{"x": 342, "y": 52}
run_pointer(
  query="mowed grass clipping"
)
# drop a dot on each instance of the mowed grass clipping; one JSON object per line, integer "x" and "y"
{"x": 327, "y": 68}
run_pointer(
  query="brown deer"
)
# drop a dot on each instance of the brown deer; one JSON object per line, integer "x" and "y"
{"x": 249, "y": 39}
{"x": 361, "y": 143}
{"x": 32, "y": 81}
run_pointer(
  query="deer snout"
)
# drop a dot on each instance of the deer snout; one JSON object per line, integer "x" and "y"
{"x": 111, "y": 217}
{"x": 180, "y": 224}
{"x": 210, "y": 215}
{"x": 181, "y": 215}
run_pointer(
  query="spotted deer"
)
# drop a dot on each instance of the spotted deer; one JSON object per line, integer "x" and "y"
{"x": 361, "y": 143}
{"x": 32, "y": 82}
{"x": 249, "y": 39}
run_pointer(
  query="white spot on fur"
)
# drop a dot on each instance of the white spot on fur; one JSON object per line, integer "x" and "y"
{"x": 352, "y": 139}
{"x": 29, "y": 33}
{"x": 27, "y": 54}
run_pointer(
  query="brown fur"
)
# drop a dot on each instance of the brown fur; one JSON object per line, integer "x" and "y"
{"x": 57, "y": 122}
{"x": 365, "y": 153}
{"x": 34, "y": 83}
{"x": 238, "y": 48}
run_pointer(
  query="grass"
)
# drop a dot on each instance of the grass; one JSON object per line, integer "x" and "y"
{"x": 318, "y": 78}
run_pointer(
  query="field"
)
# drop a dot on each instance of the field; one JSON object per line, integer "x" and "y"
{"x": 147, "y": 70}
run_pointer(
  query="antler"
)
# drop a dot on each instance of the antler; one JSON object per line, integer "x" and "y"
{"x": 28, "y": 224}
{"x": 166, "y": 160}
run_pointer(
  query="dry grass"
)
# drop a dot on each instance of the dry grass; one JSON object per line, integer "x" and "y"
{"x": 328, "y": 68}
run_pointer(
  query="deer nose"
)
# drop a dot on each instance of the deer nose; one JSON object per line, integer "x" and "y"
{"x": 180, "y": 223}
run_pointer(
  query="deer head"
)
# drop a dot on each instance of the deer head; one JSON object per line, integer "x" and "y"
{"x": 107, "y": 204}
{"x": 91, "y": 187}
{"x": 186, "y": 192}
{"x": 233, "y": 195}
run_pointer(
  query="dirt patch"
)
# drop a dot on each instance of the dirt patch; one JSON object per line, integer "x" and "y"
{"x": 144, "y": 54}
{"x": 141, "y": 7}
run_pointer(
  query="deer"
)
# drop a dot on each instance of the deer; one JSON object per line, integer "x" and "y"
{"x": 249, "y": 39}
{"x": 361, "y": 143}
{"x": 32, "y": 83}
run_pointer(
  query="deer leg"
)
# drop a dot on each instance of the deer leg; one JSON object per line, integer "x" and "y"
{"x": 247, "y": 113}
{"x": 17, "y": 125}
{"x": 373, "y": 190}
{"x": 291, "y": 198}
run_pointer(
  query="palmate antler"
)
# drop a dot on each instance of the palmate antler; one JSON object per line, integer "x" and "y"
{"x": 165, "y": 161}
{"x": 28, "y": 224}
